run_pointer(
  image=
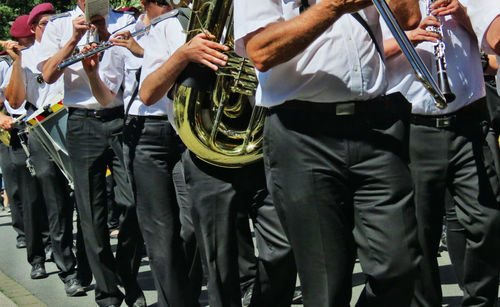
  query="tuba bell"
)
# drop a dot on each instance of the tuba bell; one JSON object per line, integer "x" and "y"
{"x": 214, "y": 110}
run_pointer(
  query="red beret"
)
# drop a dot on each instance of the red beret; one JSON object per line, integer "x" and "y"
{"x": 20, "y": 27}
{"x": 42, "y": 8}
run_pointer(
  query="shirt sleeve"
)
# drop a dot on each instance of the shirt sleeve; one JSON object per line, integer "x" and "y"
{"x": 481, "y": 14}
{"x": 163, "y": 40}
{"x": 250, "y": 16}
{"x": 51, "y": 42}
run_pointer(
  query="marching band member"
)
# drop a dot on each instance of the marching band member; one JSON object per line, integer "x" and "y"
{"x": 94, "y": 142}
{"x": 152, "y": 150}
{"x": 449, "y": 150}
{"x": 334, "y": 146}
{"x": 8, "y": 168}
{"x": 22, "y": 184}
{"x": 218, "y": 194}
{"x": 26, "y": 83}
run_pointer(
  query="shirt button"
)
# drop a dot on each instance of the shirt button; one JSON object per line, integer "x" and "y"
{"x": 355, "y": 68}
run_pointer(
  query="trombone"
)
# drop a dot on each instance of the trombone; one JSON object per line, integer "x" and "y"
{"x": 421, "y": 71}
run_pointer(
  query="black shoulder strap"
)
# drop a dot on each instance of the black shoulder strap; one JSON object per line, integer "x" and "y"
{"x": 304, "y": 6}
{"x": 136, "y": 91}
{"x": 372, "y": 36}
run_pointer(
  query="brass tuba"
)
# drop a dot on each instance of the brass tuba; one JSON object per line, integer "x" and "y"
{"x": 214, "y": 111}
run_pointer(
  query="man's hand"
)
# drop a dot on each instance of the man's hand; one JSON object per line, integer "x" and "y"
{"x": 13, "y": 49}
{"x": 79, "y": 28}
{"x": 91, "y": 64}
{"x": 124, "y": 39}
{"x": 100, "y": 23}
{"x": 421, "y": 34}
{"x": 455, "y": 9}
{"x": 200, "y": 49}
{"x": 6, "y": 122}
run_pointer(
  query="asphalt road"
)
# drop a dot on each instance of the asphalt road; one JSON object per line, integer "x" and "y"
{"x": 16, "y": 284}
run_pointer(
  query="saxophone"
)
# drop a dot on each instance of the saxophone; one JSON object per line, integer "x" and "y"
{"x": 214, "y": 111}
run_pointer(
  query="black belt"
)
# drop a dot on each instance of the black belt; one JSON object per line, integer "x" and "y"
{"x": 149, "y": 117}
{"x": 102, "y": 114}
{"x": 393, "y": 103}
{"x": 471, "y": 113}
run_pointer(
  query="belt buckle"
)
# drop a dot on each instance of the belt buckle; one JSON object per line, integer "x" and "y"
{"x": 342, "y": 109}
{"x": 96, "y": 114}
{"x": 443, "y": 122}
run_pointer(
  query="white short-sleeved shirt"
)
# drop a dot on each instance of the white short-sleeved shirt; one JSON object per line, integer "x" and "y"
{"x": 163, "y": 40}
{"x": 481, "y": 14}
{"x": 342, "y": 64}
{"x": 4, "y": 82}
{"x": 464, "y": 69}
{"x": 119, "y": 67}
{"x": 38, "y": 92}
{"x": 77, "y": 92}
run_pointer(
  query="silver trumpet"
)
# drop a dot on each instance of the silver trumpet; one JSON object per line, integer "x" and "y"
{"x": 421, "y": 71}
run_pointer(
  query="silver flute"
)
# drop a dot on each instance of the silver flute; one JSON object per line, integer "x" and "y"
{"x": 421, "y": 71}
{"x": 99, "y": 48}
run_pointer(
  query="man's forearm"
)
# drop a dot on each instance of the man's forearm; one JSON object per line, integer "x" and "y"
{"x": 279, "y": 42}
{"x": 493, "y": 35}
{"x": 49, "y": 71}
{"x": 16, "y": 90}
{"x": 100, "y": 90}
{"x": 159, "y": 82}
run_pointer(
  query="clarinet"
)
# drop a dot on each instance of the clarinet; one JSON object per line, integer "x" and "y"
{"x": 439, "y": 53}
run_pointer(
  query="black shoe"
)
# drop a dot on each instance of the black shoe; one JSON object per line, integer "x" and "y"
{"x": 247, "y": 297}
{"x": 297, "y": 297}
{"x": 139, "y": 302}
{"x": 21, "y": 243}
{"x": 74, "y": 288}
{"x": 38, "y": 271}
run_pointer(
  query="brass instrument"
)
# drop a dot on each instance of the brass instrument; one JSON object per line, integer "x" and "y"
{"x": 421, "y": 71}
{"x": 214, "y": 111}
{"x": 439, "y": 52}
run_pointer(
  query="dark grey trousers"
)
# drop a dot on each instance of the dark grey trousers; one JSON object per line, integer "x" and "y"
{"x": 153, "y": 151}
{"x": 94, "y": 144}
{"x": 59, "y": 206}
{"x": 218, "y": 195}
{"x": 458, "y": 158}
{"x": 341, "y": 184}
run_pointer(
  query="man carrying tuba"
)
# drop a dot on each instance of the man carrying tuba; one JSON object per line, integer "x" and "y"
{"x": 219, "y": 193}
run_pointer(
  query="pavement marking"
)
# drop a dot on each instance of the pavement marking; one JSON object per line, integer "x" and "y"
{"x": 16, "y": 295}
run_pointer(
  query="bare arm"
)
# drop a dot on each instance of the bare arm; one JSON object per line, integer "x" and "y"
{"x": 416, "y": 36}
{"x": 199, "y": 50}
{"x": 15, "y": 93}
{"x": 49, "y": 71}
{"x": 99, "y": 89}
{"x": 493, "y": 35}
{"x": 273, "y": 45}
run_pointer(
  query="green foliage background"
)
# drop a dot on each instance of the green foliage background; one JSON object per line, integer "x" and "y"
{"x": 10, "y": 9}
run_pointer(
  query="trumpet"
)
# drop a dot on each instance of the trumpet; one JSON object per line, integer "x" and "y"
{"x": 439, "y": 53}
{"x": 421, "y": 71}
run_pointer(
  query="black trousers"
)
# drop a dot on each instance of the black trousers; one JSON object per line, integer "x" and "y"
{"x": 24, "y": 187}
{"x": 218, "y": 195}
{"x": 93, "y": 144}
{"x": 153, "y": 151}
{"x": 458, "y": 158}
{"x": 9, "y": 173}
{"x": 341, "y": 183}
{"x": 59, "y": 207}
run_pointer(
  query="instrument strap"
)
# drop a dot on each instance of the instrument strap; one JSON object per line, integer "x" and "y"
{"x": 304, "y": 6}
{"x": 365, "y": 25}
{"x": 136, "y": 91}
